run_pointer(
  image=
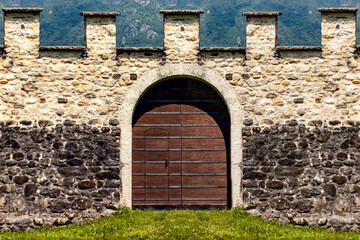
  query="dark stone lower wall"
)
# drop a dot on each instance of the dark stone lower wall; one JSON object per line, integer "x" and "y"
{"x": 65, "y": 173}
{"x": 56, "y": 174}
{"x": 304, "y": 174}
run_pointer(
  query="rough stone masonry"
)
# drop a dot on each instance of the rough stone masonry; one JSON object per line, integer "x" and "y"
{"x": 65, "y": 118}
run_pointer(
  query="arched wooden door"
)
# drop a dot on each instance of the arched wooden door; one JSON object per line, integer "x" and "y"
{"x": 181, "y": 147}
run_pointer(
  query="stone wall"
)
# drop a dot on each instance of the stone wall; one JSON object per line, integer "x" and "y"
{"x": 60, "y": 107}
{"x": 60, "y": 169}
{"x": 306, "y": 173}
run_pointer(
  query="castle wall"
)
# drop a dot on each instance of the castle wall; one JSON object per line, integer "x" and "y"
{"x": 62, "y": 140}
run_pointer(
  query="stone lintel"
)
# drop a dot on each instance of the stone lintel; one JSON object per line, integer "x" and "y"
{"x": 223, "y": 49}
{"x": 181, "y": 12}
{"x": 62, "y": 48}
{"x": 100, "y": 14}
{"x": 140, "y": 49}
{"x": 337, "y": 10}
{"x": 298, "y": 48}
{"x": 261, "y": 14}
{"x": 22, "y": 10}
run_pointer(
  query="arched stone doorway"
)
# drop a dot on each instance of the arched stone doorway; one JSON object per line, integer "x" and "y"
{"x": 181, "y": 147}
{"x": 180, "y": 70}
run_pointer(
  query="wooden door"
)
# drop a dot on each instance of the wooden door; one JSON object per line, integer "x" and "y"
{"x": 181, "y": 147}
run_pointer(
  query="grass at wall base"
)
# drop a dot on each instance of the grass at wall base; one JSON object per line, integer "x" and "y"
{"x": 181, "y": 224}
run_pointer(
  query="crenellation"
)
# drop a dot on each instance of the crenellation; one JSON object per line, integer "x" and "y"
{"x": 66, "y": 117}
{"x": 181, "y": 35}
{"x": 100, "y": 34}
{"x": 22, "y": 32}
{"x": 338, "y": 32}
{"x": 261, "y": 34}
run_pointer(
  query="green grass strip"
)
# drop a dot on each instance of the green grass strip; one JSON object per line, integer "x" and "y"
{"x": 181, "y": 224}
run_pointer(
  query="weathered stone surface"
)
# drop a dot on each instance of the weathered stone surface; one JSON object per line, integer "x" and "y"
{"x": 330, "y": 190}
{"x": 340, "y": 221}
{"x": 81, "y": 204}
{"x": 322, "y": 221}
{"x": 29, "y": 87}
{"x": 339, "y": 179}
{"x": 274, "y": 184}
{"x": 114, "y": 122}
{"x": 61, "y": 221}
{"x": 248, "y": 122}
{"x": 64, "y": 154}
{"x": 21, "y": 179}
{"x": 30, "y": 189}
{"x": 21, "y": 221}
{"x": 299, "y": 221}
{"x": 59, "y": 206}
{"x": 87, "y": 184}
{"x": 310, "y": 192}
{"x": 107, "y": 175}
{"x": 254, "y": 175}
{"x": 18, "y": 156}
{"x": 2, "y": 202}
{"x": 38, "y": 221}
{"x": 280, "y": 204}
{"x": 63, "y": 100}
{"x": 321, "y": 171}
{"x": 342, "y": 156}
{"x": 302, "y": 206}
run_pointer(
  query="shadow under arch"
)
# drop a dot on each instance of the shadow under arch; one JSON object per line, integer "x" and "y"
{"x": 179, "y": 77}
{"x": 180, "y": 70}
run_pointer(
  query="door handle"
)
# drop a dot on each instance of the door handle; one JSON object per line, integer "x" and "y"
{"x": 166, "y": 163}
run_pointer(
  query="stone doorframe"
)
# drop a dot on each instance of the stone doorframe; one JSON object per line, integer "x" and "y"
{"x": 194, "y": 71}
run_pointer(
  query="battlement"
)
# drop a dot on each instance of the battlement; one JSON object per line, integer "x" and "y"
{"x": 181, "y": 38}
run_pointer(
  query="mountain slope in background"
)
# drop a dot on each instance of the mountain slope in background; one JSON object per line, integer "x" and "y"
{"x": 140, "y": 23}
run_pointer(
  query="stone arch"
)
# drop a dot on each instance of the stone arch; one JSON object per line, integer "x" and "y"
{"x": 173, "y": 70}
